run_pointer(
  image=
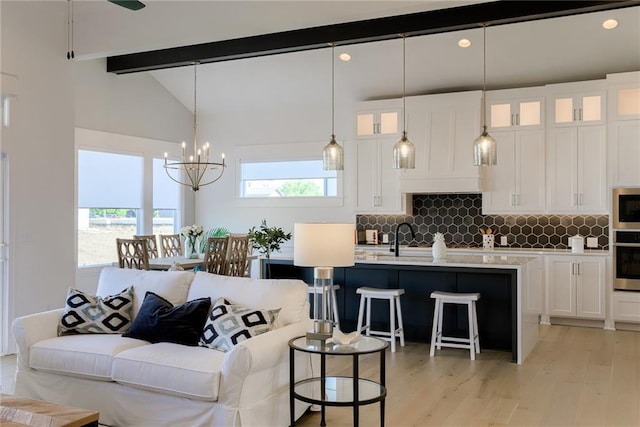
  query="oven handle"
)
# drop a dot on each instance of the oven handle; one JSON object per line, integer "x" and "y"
{"x": 627, "y": 245}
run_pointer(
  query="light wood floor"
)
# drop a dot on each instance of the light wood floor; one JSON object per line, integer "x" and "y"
{"x": 574, "y": 377}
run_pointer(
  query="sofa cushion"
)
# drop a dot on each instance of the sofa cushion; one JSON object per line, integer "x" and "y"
{"x": 192, "y": 372}
{"x": 88, "y": 314}
{"x": 170, "y": 285}
{"x": 229, "y": 324}
{"x": 161, "y": 321}
{"x": 290, "y": 295}
{"x": 87, "y": 356}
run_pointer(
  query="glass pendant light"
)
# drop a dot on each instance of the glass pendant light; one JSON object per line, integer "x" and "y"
{"x": 404, "y": 152}
{"x": 333, "y": 153}
{"x": 485, "y": 151}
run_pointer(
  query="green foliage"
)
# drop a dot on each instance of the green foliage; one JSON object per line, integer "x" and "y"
{"x": 213, "y": 232}
{"x": 108, "y": 213}
{"x": 267, "y": 239}
{"x": 300, "y": 188}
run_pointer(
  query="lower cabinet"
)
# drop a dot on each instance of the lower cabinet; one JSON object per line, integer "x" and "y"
{"x": 626, "y": 307}
{"x": 576, "y": 286}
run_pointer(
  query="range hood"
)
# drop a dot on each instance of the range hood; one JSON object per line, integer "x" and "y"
{"x": 441, "y": 185}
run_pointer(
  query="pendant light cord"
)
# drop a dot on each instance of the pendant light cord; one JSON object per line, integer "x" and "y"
{"x": 404, "y": 78}
{"x": 333, "y": 88}
{"x": 195, "y": 107}
{"x": 484, "y": 76}
{"x": 70, "y": 53}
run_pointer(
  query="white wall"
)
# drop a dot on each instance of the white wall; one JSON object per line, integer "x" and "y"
{"x": 216, "y": 205}
{"x": 56, "y": 95}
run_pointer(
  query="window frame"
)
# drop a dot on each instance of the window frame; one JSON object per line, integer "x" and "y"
{"x": 283, "y": 153}
{"x": 147, "y": 149}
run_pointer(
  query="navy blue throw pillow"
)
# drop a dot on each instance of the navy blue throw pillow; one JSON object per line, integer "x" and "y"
{"x": 159, "y": 321}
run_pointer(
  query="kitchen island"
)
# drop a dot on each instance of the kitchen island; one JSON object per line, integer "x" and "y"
{"x": 508, "y": 311}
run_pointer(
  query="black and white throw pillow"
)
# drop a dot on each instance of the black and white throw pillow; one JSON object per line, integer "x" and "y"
{"x": 229, "y": 324}
{"x": 89, "y": 314}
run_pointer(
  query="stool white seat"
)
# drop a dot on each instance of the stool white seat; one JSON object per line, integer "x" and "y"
{"x": 331, "y": 305}
{"x": 438, "y": 340}
{"x": 395, "y": 312}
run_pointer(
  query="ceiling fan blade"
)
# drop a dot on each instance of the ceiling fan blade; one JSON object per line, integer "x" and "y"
{"x": 129, "y": 4}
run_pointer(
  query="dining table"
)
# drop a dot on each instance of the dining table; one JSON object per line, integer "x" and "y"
{"x": 164, "y": 263}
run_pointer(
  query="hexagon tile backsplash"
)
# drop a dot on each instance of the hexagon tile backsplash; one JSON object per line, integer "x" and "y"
{"x": 459, "y": 217}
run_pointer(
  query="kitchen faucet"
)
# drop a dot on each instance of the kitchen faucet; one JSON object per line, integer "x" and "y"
{"x": 396, "y": 247}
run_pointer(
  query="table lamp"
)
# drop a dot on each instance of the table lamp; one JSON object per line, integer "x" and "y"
{"x": 323, "y": 246}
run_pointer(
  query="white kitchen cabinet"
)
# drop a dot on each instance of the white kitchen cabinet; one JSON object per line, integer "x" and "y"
{"x": 578, "y": 109}
{"x": 626, "y": 306}
{"x": 624, "y": 96}
{"x": 379, "y": 118}
{"x": 517, "y": 182}
{"x": 442, "y": 128}
{"x": 625, "y": 153}
{"x": 377, "y": 184}
{"x": 515, "y": 109}
{"x": 576, "y": 170}
{"x": 576, "y": 286}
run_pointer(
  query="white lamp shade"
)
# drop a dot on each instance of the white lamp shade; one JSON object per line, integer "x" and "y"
{"x": 323, "y": 245}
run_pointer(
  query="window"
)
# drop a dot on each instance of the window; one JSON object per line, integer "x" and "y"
{"x": 166, "y": 201}
{"x": 295, "y": 178}
{"x": 109, "y": 203}
{"x": 123, "y": 190}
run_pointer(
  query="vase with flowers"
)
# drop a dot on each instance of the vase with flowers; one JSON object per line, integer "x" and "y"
{"x": 191, "y": 233}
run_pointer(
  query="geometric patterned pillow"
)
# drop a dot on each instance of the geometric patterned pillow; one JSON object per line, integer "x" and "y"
{"x": 229, "y": 324}
{"x": 88, "y": 314}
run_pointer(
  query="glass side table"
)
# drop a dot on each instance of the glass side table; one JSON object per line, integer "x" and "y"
{"x": 338, "y": 390}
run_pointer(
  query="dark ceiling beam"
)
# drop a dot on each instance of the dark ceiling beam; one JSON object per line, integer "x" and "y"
{"x": 415, "y": 24}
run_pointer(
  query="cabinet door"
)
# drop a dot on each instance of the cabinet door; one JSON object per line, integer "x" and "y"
{"x": 561, "y": 286}
{"x": 365, "y": 176}
{"x": 378, "y": 122}
{"x": 590, "y": 288}
{"x": 514, "y": 114}
{"x": 626, "y": 103}
{"x": 529, "y": 172}
{"x": 499, "y": 194}
{"x": 592, "y": 176}
{"x": 583, "y": 109}
{"x": 625, "y": 153}
{"x": 562, "y": 170}
{"x": 390, "y": 199}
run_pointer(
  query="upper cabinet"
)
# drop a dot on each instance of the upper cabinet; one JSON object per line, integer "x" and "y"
{"x": 576, "y": 148}
{"x": 376, "y": 182}
{"x": 624, "y": 128}
{"x": 624, "y": 96}
{"x": 513, "y": 109}
{"x": 442, "y": 127}
{"x": 379, "y": 118}
{"x": 576, "y": 104}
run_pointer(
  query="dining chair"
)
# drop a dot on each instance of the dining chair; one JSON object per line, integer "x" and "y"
{"x": 152, "y": 244}
{"x": 132, "y": 253}
{"x": 215, "y": 256}
{"x": 171, "y": 245}
{"x": 237, "y": 255}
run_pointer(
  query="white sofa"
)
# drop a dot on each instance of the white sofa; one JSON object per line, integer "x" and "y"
{"x": 134, "y": 383}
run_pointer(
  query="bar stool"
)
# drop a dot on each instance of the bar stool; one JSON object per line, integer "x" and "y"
{"x": 331, "y": 305}
{"x": 473, "y": 342}
{"x": 393, "y": 296}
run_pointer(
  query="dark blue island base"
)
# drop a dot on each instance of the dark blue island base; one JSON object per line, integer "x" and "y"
{"x": 497, "y": 307}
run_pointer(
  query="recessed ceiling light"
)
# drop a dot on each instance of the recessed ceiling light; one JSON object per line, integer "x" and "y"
{"x": 345, "y": 57}
{"x": 464, "y": 43}
{"x": 610, "y": 24}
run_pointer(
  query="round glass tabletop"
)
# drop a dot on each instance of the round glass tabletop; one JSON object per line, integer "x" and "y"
{"x": 361, "y": 345}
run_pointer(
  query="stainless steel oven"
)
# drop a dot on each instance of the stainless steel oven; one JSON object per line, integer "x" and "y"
{"x": 626, "y": 260}
{"x": 626, "y": 208}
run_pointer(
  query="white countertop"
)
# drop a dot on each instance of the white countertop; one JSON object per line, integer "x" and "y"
{"x": 452, "y": 260}
{"x": 495, "y": 251}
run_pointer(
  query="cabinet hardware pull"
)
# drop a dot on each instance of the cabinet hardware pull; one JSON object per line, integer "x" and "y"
{"x": 573, "y": 268}
{"x": 581, "y": 199}
{"x": 517, "y": 119}
{"x": 574, "y": 114}
{"x": 578, "y": 267}
{"x": 580, "y": 114}
{"x": 513, "y": 119}
{"x": 513, "y": 200}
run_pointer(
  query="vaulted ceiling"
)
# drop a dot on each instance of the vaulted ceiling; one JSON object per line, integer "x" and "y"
{"x": 523, "y": 54}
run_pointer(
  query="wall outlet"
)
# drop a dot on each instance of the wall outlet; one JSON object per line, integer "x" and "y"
{"x": 592, "y": 242}
{"x": 503, "y": 241}
{"x": 385, "y": 238}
